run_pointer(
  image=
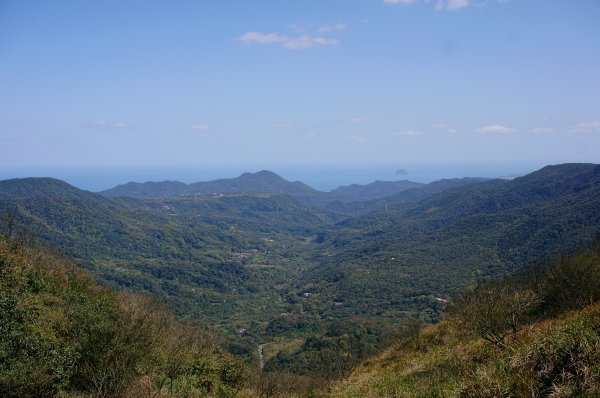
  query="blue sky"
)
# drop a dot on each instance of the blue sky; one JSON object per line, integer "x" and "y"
{"x": 190, "y": 83}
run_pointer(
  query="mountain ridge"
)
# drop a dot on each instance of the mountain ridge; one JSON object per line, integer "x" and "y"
{"x": 492, "y": 228}
{"x": 280, "y": 269}
{"x": 265, "y": 181}
{"x": 261, "y": 181}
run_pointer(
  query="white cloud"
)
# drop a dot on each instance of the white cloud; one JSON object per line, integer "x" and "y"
{"x": 357, "y": 120}
{"x": 407, "y": 133}
{"x": 582, "y": 128}
{"x": 331, "y": 28}
{"x": 451, "y": 5}
{"x": 261, "y": 38}
{"x": 200, "y": 127}
{"x": 456, "y": 4}
{"x": 496, "y": 129}
{"x": 298, "y": 42}
{"x": 543, "y": 130}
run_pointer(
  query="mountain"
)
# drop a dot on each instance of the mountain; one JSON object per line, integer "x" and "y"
{"x": 261, "y": 182}
{"x": 224, "y": 260}
{"x": 374, "y": 190}
{"x": 266, "y": 268}
{"x": 148, "y": 189}
{"x": 63, "y": 215}
{"x": 432, "y": 188}
{"x": 64, "y": 335}
{"x": 383, "y": 269}
{"x": 433, "y": 248}
{"x": 344, "y": 199}
{"x": 399, "y": 199}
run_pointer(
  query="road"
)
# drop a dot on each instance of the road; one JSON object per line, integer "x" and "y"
{"x": 261, "y": 356}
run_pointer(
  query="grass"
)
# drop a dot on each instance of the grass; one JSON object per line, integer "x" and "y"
{"x": 272, "y": 349}
{"x": 554, "y": 358}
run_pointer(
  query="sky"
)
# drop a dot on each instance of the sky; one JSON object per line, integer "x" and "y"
{"x": 269, "y": 82}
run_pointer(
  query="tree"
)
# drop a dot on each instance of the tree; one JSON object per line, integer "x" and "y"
{"x": 574, "y": 282}
{"x": 494, "y": 312}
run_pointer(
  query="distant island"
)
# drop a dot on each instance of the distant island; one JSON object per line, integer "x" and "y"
{"x": 401, "y": 172}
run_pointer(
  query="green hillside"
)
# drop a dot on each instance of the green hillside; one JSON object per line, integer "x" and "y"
{"x": 268, "y": 182}
{"x": 313, "y": 286}
{"x": 397, "y": 200}
{"x": 552, "y": 350}
{"x": 378, "y": 271}
{"x": 405, "y": 260}
{"x": 374, "y": 190}
{"x": 261, "y": 182}
{"x": 61, "y": 335}
{"x": 223, "y": 260}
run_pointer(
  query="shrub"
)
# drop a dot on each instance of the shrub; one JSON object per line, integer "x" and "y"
{"x": 494, "y": 311}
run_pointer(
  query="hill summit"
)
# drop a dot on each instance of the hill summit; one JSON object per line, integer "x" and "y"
{"x": 263, "y": 181}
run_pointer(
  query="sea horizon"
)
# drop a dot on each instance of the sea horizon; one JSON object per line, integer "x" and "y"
{"x": 321, "y": 177}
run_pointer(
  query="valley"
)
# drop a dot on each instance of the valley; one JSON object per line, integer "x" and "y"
{"x": 277, "y": 262}
{"x": 300, "y": 199}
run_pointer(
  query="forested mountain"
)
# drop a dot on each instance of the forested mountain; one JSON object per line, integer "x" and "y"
{"x": 224, "y": 260}
{"x": 267, "y": 267}
{"x": 61, "y": 335}
{"x": 431, "y": 249}
{"x": 261, "y": 182}
{"x": 398, "y": 200}
{"x": 374, "y": 190}
{"x": 268, "y": 182}
{"x": 148, "y": 189}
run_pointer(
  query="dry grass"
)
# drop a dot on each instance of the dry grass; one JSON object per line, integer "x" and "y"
{"x": 555, "y": 358}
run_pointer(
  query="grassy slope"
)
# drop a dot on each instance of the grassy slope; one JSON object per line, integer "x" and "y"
{"x": 450, "y": 365}
{"x": 555, "y": 353}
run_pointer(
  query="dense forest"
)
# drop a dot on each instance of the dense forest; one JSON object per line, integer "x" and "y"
{"x": 533, "y": 334}
{"x": 319, "y": 281}
{"x": 63, "y": 335}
